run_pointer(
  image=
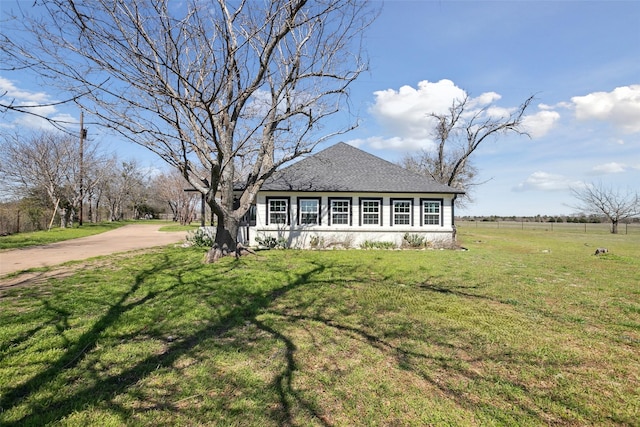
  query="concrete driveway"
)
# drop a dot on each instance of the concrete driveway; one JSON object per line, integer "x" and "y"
{"x": 123, "y": 239}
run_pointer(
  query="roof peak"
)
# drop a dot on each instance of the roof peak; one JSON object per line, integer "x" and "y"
{"x": 342, "y": 167}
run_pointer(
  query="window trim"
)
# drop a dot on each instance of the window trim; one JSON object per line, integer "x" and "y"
{"x": 268, "y": 205}
{"x": 441, "y": 216}
{"x": 392, "y": 209}
{"x": 319, "y": 212}
{"x": 350, "y": 213}
{"x": 370, "y": 199}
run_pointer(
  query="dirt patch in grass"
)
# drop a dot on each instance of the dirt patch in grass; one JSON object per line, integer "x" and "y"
{"x": 40, "y": 276}
{"x": 33, "y": 278}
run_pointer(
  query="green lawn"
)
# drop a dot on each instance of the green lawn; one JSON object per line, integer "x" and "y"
{"x": 525, "y": 328}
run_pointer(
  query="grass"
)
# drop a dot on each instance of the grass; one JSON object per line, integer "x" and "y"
{"x": 36, "y": 238}
{"x": 525, "y": 328}
{"x": 177, "y": 227}
{"x": 564, "y": 227}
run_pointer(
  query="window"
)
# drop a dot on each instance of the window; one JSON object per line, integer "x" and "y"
{"x": 401, "y": 212}
{"x": 309, "y": 211}
{"x": 278, "y": 211}
{"x": 339, "y": 211}
{"x": 250, "y": 217}
{"x": 431, "y": 212}
{"x": 370, "y": 211}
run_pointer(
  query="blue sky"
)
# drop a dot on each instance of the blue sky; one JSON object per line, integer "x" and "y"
{"x": 581, "y": 59}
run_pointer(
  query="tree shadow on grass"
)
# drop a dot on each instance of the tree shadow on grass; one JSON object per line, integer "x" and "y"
{"x": 102, "y": 389}
{"x": 438, "y": 370}
{"x": 84, "y": 344}
{"x": 452, "y": 288}
{"x": 283, "y": 382}
{"x": 247, "y": 307}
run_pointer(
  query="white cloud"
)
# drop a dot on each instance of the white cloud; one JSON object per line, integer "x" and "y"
{"x": 22, "y": 97}
{"x": 498, "y": 113}
{"x": 544, "y": 181}
{"x": 405, "y": 113}
{"x": 428, "y": 97}
{"x": 609, "y": 168}
{"x": 484, "y": 99}
{"x": 34, "y": 122}
{"x": 620, "y": 107}
{"x": 566, "y": 105}
{"x": 540, "y": 123}
{"x": 31, "y": 102}
{"x": 394, "y": 143}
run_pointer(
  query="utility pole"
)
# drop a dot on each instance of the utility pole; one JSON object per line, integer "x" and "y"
{"x": 83, "y": 135}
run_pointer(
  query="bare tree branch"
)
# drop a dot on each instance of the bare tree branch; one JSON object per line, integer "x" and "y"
{"x": 458, "y": 134}
{"x": 49, "y": 161}
{"x": 29, "y": 110}
{"x": 205, "y": 83}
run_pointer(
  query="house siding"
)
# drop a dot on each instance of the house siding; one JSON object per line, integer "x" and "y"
{"x": 354, "y": 234}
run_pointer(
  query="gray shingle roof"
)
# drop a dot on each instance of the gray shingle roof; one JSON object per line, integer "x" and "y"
{"x": 344, "y": 168}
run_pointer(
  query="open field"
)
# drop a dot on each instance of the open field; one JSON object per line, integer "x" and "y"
{"x": 525, "y": 328}
{"x": 564, "y": 227}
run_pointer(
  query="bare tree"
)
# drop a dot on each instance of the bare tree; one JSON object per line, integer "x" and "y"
{"x": 616, "y": 205}
{"x": 459, "y": 133}
{"x": 125, "y": 189}
{"x": 99, "y": 175}
{"x": 170, "y": 188}
{"x": 207, "y": 84}
{"x": 47, "y": 162}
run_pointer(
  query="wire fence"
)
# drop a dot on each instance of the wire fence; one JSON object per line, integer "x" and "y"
{"x": 569, "y": 227}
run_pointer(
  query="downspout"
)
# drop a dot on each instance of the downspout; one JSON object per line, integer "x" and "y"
{"x": 453, "y": 217}
{"x": 453, "y": 210}
{"x": 203, "y": 210}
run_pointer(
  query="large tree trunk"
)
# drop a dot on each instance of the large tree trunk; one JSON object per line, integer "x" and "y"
{"x": 614, "y": 227}
{"x": 226, "y": 241}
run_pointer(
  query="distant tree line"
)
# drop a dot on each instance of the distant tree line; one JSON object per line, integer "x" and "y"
{"x": 597, "y": 203}
{"x": 576, "y": 219}
{"x": 50, "y": 178}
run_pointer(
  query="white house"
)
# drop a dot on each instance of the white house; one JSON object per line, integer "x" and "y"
{"x": 343, "y": 196}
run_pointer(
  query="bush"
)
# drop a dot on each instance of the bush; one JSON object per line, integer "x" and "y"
{"x": 414, "y": 240}
{"x": 202, "y": 237}
{"x": 368, "y": 244}
{"x": 340, "y": 241}
{"x": 316, "y": 242}
{"x": 271, "y": 242}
